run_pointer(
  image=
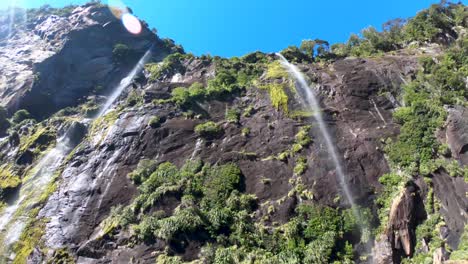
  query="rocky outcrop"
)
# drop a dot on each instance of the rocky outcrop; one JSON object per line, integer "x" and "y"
{"x": 57, "y": 61}
{"x": 457, "y": 133}
{"x": 406, "y": 212}
{"x": 53, "y": 65}
{"x": 96, "y": 177}
{"x": 451, "y": 191}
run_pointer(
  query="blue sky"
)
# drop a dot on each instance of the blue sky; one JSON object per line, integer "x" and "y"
{"x": 236, "y": 27}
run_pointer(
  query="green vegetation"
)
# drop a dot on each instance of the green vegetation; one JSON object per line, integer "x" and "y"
{"x": 29, "y": 239}
{"x": 276, "y": 71}
{"x": 8, "y": 179}
{"x": 154, "y": 122}
{"x": 102, "y": 124}
{"x": 213, "y": 211}
{"x": 435, "y": 24}
{"x": 416, "y": 152}
{"x": 301, "y": 166}
{"x": 121, "y": 52}
{"x": 438, "y": 84}
{"x": 134, "y": 99}
{"x": 208, "y": 129}
{"x": 170, "y": 65}
{"x": 393, "y": 185}
{"x": 39, "y": 140}
{"x": 233, "y": 116}
{"x": 62, "y": 256}
{"x": 278, "y": 95}
{"x": 20, "y": 116}
{"x": 245, "y": 131}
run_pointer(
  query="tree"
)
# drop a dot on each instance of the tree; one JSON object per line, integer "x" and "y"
{"x": 308, "y": 47}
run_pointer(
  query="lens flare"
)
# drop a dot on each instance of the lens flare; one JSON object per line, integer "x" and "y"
{"x": 121, "y": 11}
{"x": 131, "y": 23}
{"x": 117, "y": 8}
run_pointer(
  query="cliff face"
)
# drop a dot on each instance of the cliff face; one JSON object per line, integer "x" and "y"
{"x": 61, "y": 68}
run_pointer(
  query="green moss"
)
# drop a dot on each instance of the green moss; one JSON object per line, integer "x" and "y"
{"x": 249, "y": 111}
{"x": 121, "y": 52}
{"x": 302, "y": 137}
{"x": 278, "y": 95}
{"x": 233, "y": 116}
{"x": 208, "y": 129}
{"x": 300, "y": 115}
{"x": 61, "y": 256}
{"x": 29, "y": 239}
{"x": 301, "y": 166}
{"x": 134, "y": 99}
{"x": 154, "y": 122}
{"x": 165, "y": 259}
{"x": 171, "y": 64}
{"x": 8, "y": 179}
{"x": 245, "y": 131}
{"x": 20, "y": 116}
{"x": 276, "y": 71}
{"x": 283, "y": 156}
{"x": 103, "y": 124}
{"x": 39, "y": 141}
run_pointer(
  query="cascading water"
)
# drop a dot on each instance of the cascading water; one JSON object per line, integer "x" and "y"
{"x": 311, "y": 102}
{"x": 14, "y": 218}
{"x": 125, "y": 83}
{"x": 197, "y": 148}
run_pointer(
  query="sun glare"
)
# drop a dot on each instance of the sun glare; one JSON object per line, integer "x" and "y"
{"x": 121, "y": 11}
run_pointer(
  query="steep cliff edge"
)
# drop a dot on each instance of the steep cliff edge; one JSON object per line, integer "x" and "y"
{"x": 215, "y": 160}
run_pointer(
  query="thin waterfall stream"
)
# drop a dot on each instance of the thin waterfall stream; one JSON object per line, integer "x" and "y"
{"x": 311, "y": 102}
{"x": 14, "y": 218}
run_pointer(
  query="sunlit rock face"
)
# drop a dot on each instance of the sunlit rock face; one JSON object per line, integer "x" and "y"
{"x": 61, "y": 59}
{"x": 54, "y": 62}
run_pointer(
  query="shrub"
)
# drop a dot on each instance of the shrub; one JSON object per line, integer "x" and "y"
{"x": 121, "y": 52}
{"x": 301, "y": 166}
{"x": 220, "y": 182}
{"x": 208, "y": 129}
{"x": 245, "y": 131}
{"x": 20, "y": 116}
{"x": 154, "y": 122}
{"x": 276, "y": 71}
{"x": 169, "y": 66}
{"x": 302, "y": 137}
{"x": 249, "y": 111}
{"x": 279, "y": 98}
{"x": 232, "y": 116}
{"x": 143, "y": 171}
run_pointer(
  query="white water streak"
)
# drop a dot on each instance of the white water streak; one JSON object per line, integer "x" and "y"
{"x": 125, "y": 83}
{"x": 12, "y": 220}
{"x": 311, "y": 102}
{"x": 197, "y": 148}
{"x": 378, "y": 111}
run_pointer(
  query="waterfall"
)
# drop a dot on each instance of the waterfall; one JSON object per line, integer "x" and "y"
{"x": 311, "y": 102}
{"x": 196, "y": 149}
{"x": 378, "y": 111}
{"x": 14, "y": 218}
{"x": 125, "y": 83}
